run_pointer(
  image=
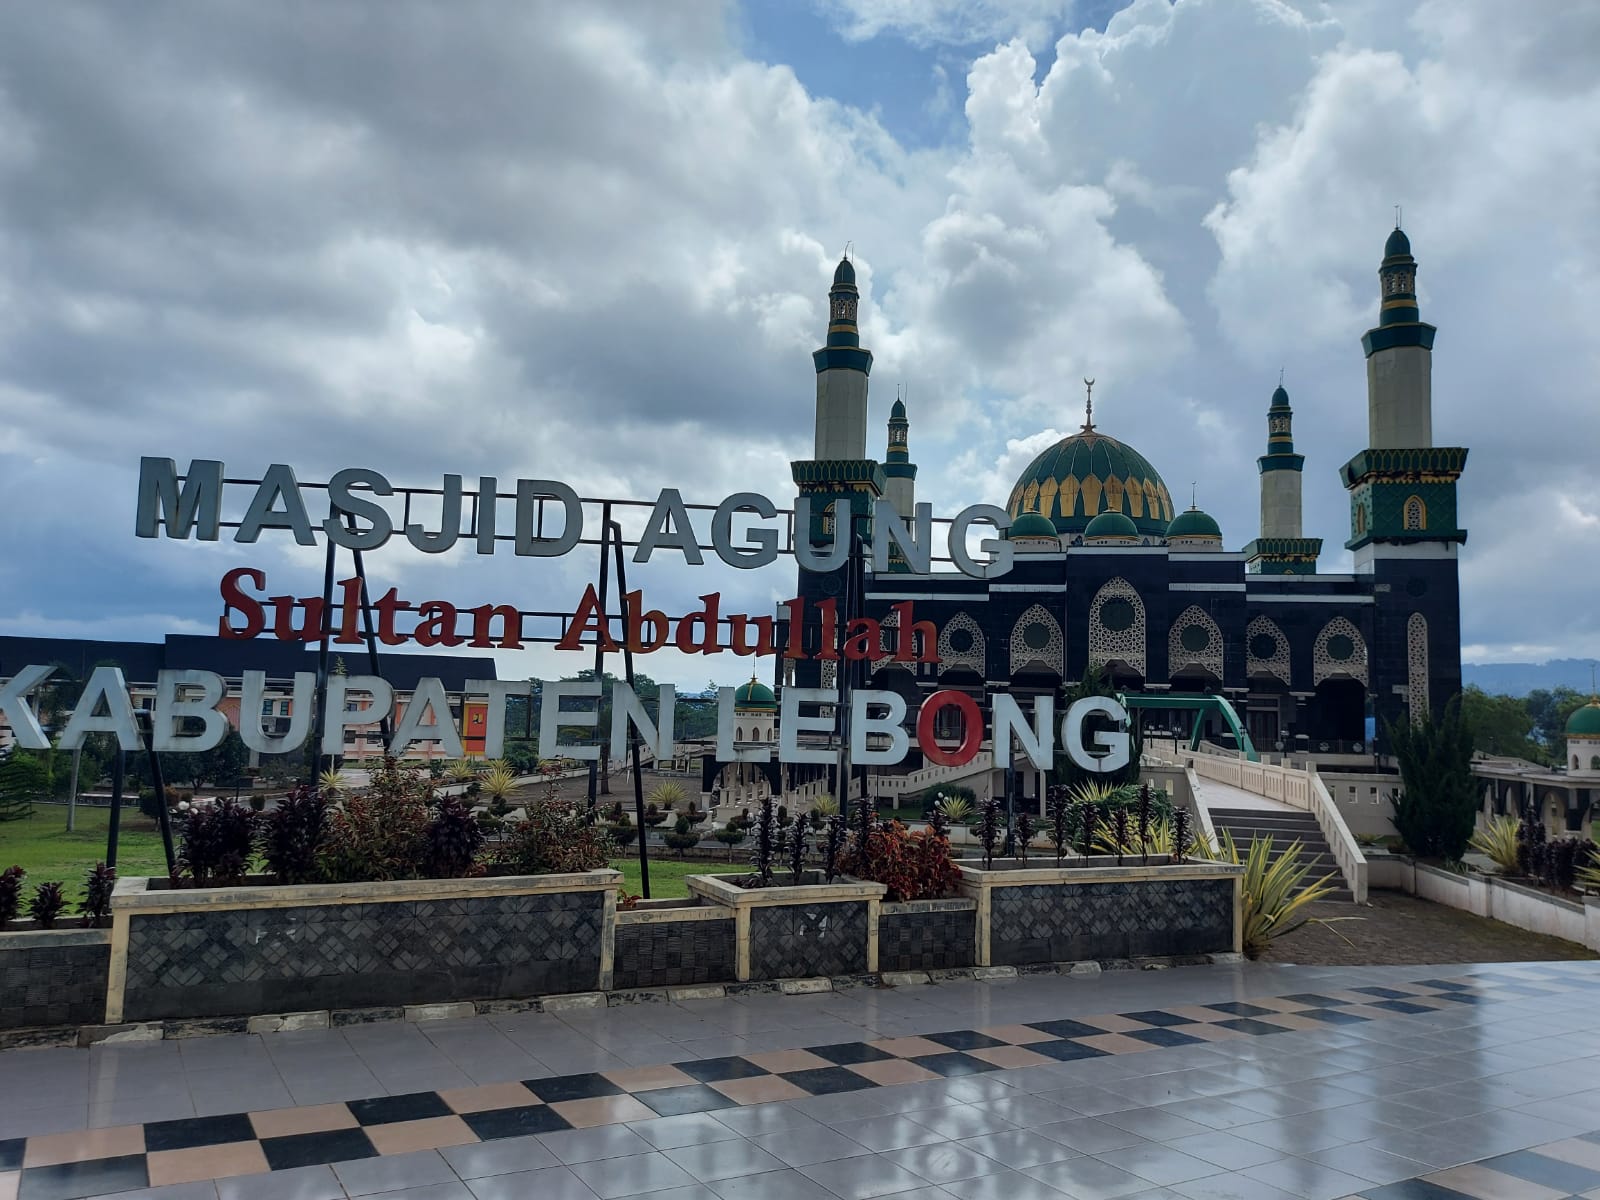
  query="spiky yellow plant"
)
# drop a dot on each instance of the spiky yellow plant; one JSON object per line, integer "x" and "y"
{"x": 497, "y": 784}
{"x": 1273, "y": 902}
{"x": 956, "y": 809}
{"x": 331, "y": 782}
{"x": 1159, "y": 840}
{"x": 825, "y": 806}
{"x": 667, "y": 794}
{"x": 1498, "y": 841}
{"x": 461, "y": 770}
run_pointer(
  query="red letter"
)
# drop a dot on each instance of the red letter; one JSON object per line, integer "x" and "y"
{"x": 971, "y": 734}
{"x": 861, "y": 640}
{"x": 349, "y": 609}
{"x": 796, "y": 622}
{"x": 283, "y": 618}
{"x": 234, "y": 600}
{"x": 736, "y": 631}
{"x": 388, "y": 605}
{"x": 709, "y": 642}
{"x": 510, "y": 629}
{"x": 655, "y": 618}
{"x": 829, "y": 651}
{"x": 587, "y": 616}
{"x": 909, "y": 629}
{"x": 436, "y": 624}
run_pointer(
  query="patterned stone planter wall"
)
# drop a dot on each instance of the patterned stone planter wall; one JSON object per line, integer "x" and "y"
{"x": 801, "y": 931}
{"x": 53, "y": 977}
{"x": 674, "y": 947}
{"x": 216, "y": 952}
{"x": 927, "y": 935}
{"x": 1075, "y": 914}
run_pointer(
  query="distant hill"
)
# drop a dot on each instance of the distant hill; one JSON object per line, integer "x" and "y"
{"x": 1518, "y": 679}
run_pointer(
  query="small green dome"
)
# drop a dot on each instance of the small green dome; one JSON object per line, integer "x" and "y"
{"x": 1031, "y": 524}
{"x": 756, "y": 695}
{"x": 1586, "y": 721}
{"x": 898, "y": 411}
{"x": 1194, "y": 523}
{"x": 844, "y": 273}
{"x": 1280, "y": 398}
{"x": 1398, "y": 243}
{"x": 1111, "y": 526}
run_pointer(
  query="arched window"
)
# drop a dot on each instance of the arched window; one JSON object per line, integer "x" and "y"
{"x": 1361, "y": 520}
{"x": 1416, "y": 514}
{"x": 738, "y": 733}
{"x": 1594, "y": 763}
{"x": 1574, "y": 762}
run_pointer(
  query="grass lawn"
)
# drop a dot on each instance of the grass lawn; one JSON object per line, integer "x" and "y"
{"x": 43, "y": 847}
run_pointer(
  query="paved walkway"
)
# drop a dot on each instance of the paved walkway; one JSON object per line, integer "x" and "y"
{"x": 1249, "y": 1082}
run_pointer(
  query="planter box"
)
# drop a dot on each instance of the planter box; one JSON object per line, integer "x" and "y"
{"x": 927, "y": 935}
{"x": 211, "y": 952}
{"x": 673, "y": 945}
{"x": 798, "y": 931}
{"x": 1101, "y": 911}
{"x": 53, "y": 977}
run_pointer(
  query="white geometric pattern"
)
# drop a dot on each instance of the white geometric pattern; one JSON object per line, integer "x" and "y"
{"x": 975, "y": 656}
{"x": 1119, "y": 645}
{"x": 1417, "y": 666}
{"x": 886, "y": 642}
{"x": 1325, "y": 665}
{"x": 1275, "y": 664}
{"x": 1051, "y": 655}
{"x": 1208, "y": 657}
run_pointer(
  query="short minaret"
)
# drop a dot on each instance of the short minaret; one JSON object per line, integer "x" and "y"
{"x": 1281, "y": 550}
{"x": 900, "y": 473}
{"x": 842, "y": 370}
{"x": 1399, "y": 357}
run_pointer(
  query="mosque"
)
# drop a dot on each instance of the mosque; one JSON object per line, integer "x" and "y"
{"x": 1110, "y": 574}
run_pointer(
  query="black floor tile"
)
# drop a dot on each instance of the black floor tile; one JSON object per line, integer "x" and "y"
{"x": 1163, "y": 1037}
{"x": 676, "y": 1101}
{"x": 1065, "y": 1029}
{"x": 955, "y": 1064}
{"x": 964, "y": 1039}
{"x": 824, "y": 1081}
{"x": 850, "y": 1052}
{"x": 198, "y": 1131}
{"x": 1385, "y": 992}
{"x": 715, "y": 1070}
{"x": 1413, "y": 1189}
{"x": 11, "y": 1153}
{"x": 1550, "y": 1172}
{"x": 385, "y": 1110}
{"x": 1154, "y": 1016}
{"x": 1065, "y": 1050}
{"x": 1401, "y": 1006}
{"x": 515, "y": 1122}
{"x": 1309, "y": 998}
{"x": 571, "y": 1087}
{"x": 1251, "y": 1026}
{"x": 1461, "y": 997}
{"x": 311, "y": 1149}
{"x": 1591, "y": 1137}
{"x": 1333, "y": 1016}
{"x": 1240, "y": 1009}
{"x": 97, "y": 1177}
{"x": 1445, "y": 985}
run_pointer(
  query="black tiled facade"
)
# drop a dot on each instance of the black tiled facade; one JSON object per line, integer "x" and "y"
{"x": 674, "y": 953}
{"x": 1077, "y": 922}
{"x": 53, "y": 985}
{"x": 244, "y": 961}
{"x": 928, "y": 940}
{"x": 790, "y": 941}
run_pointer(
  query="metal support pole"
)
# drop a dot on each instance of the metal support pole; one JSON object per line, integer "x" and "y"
{"x": 600, "y": 639}
{"x": 114, "y": 824}
{"x": 366, "y": 622}
{"x": 319, "y": 715}
{"x": 614, "y": 530}
{"x": 163, "y": 818}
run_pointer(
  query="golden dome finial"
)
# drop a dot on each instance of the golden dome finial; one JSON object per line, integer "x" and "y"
{"x": 1088, "y": 406}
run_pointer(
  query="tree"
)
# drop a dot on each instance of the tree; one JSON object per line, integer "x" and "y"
{"x": 1066, "y": 773}
{"x": 1436, "y": 811}
{"x": 23, "y": 779}
{"x": 1550, "y": 709}
{"x": 1500, "y": 725}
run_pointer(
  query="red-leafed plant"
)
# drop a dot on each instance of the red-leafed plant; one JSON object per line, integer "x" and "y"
{"x": 913, "y": 866}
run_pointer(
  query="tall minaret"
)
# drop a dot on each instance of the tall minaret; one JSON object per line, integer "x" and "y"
{"x": 900, "y": 473}
{"x": 842, "y": 370}
{"x": 1399, "y": 357}
{"x": 1281, "y": 550}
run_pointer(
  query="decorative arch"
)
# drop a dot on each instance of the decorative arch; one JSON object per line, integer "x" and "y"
{"x": 1117, "y": 626}
{"x": 1036, "y": 638}
{"x": 976, "y": 654}
{"x": 1417, "y": 666}
{"x": 886, "y": 644}
{"x": 1195, "y": 640}
{"x": 1339, "y": 651}
{"x": 1276, "y": 661}
{"x": 1415, "y": 514}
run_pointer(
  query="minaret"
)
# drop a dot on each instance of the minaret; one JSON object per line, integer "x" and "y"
{"x": 842, "y": 370}
{"x": 1399, "y": 357}
{"x": 1281, "y": 550}
{"x": 900, "y": 473}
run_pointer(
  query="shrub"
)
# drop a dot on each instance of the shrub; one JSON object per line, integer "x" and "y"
{"x": 1437, "y": 810}
{"x": 683, "y": 838}
{"x": 96, "y": 903}
{"x": 653, "y": 815}
{"x": 730, "y": 835}
{"x": 46, "y": 905}
{"x": 498, "y": 785}
{"x": 833, "y": 846}
{"x": 291, "y": 835}
{"x": 989, "y": 827}
{"x": 1273, "y": 902}
{"x": 215, "y": 843}
{"x": 1063, "y": 821}
{"x": 913, "y": 866}
{"x": 767, "y": 841}
{"x": 1025, "y": 831}
{"x": 1497, "y": 841}
{"x": 10, "y": 894}
{"x": 667, "y": 795}
{"x": 453, "y": 839}
{"x": 957, "y": 810}
{"x": 826, "y": 805}
{"x": 797, "y": 850}
{"x": 1586, "y": 873}
{"x": 379, "y": 833}
{"x": 554, "y": 838}
{"x": 1181, "y": 835}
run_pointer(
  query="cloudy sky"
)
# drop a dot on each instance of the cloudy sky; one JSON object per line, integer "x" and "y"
{"x": 592, "y": 242}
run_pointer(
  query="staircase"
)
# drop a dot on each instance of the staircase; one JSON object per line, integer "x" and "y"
{"x": 1284, "y": 826}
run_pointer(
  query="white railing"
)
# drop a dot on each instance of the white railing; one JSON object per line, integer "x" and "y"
{"x": 1208, "y": 831}
{"x": 886, "y": 786}
{"x": 1345, "y": 850}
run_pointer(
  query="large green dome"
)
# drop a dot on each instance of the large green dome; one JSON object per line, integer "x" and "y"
{"x": 755, "y": 695}
{"x": 1585, "y": 722}
{"x": 1087, "y": 474}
